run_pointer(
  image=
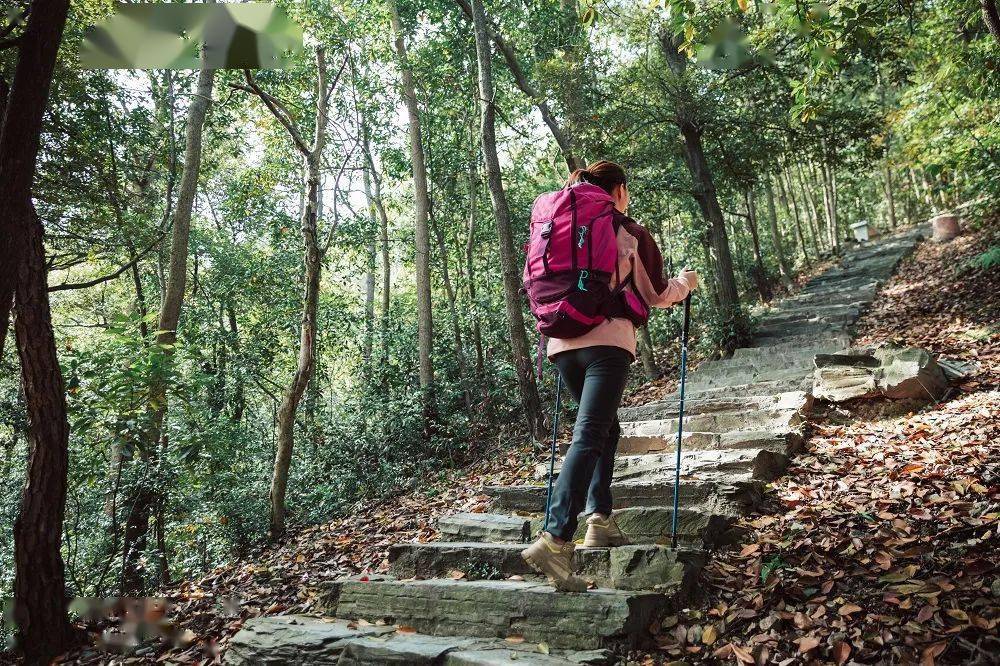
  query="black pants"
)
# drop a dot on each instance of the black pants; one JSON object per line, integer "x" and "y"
{"x": 595, "y": 376}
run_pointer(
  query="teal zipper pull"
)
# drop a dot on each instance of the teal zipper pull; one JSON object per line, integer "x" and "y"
{"x": 582, "y": 231}
{"x": 583, "y": 276}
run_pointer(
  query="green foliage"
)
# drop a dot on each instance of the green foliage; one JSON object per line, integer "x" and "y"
{"x": 988, "y": 259}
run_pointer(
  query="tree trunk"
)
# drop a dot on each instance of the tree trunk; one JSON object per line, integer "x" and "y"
{"x": 791, "y": 207}
{"x": 991, "y": 17}
{"x": 772, "y": 221}
{"x": 759, "y": 272}
{"x": 733, "y": 317}
{"x": 456, "y": 327}
{"x": 705, "y": 195}
{"x": 383, "y": 219}
{"x": 508, "y": 262}
{"x": 470, "y": 264}
{"x": 43, "y": 630}
{"x": 813, "y": 217}
{"x": 890, "y": 195}
{"x": 366, "y": 352}
{"x": 830, "y": 204}
{"x": 425, "y": 325}
{"x": 147, "y": 494}
{"x": 562, "y": 136}
{"x": 646, "y": 354}
{"x": 308, "y": 325}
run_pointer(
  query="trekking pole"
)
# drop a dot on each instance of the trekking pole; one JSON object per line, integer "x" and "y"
{"x": 680, "y": 421}
{"x": 552, "y": 454}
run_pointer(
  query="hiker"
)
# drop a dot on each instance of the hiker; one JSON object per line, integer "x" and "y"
{"x": 590, "y": 317}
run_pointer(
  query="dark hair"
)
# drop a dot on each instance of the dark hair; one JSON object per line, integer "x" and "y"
{"x": 606, "y": 175}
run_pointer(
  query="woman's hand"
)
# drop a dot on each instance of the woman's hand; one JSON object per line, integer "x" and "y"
{"x": 689, "y": 276}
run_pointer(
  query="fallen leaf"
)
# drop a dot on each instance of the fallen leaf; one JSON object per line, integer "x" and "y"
{"x": 848, "y": 609}
{"x": 807, "y": 643}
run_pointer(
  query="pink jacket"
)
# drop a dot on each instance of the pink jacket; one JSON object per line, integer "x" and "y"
{"x": 639, "y": 256}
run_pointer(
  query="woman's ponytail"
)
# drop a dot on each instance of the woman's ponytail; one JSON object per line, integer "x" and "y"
{"x": 606, "y": 175}
{"x": 579, "y": 176}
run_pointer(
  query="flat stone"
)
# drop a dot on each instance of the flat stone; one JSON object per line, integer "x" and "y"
{"x": 293, "y": 639}
{"x": 507, "y": 654}
{"x": 911, "y": 373}
{"x": 401, "y": 648}
{"x": 898, "y": 374}
{"x": 636, "y": 567}
{"x": 497, "y": 609}
{"x": 488, "y": 527}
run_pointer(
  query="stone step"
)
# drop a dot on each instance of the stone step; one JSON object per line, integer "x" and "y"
{"x": 795, "y": 329}
{"x": 499, "y": 609}
{"x": 487, "y": 527}
{"x": 780, "y": 419}
{"x": 833, "y": 296}
{"x": 698, "y": 526}
{"x": 649, "y": 443}
{"x": 839, "y": 339}
{"x": 301, "y": 639}
{"x": 742, "y": 378}
{"x": 756, "y": 388}
{"x": 764, "y": 361}
{"x": 754, "y": 354}
{"x": 790, "y": 318}
{"x": 752, "y": 368}
{"x": 639, "y": 567}
{"x": 733, "y": 493}
{"x": 664, "y": 409}
{"x": 765, "y": 463}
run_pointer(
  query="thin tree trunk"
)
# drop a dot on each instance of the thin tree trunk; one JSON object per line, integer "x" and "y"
{"x": 814, "y": 221}
{"x": 147, "y": 494}
{"x": 890, "y": 195}
{"x": 43, "y": 630}
{"x": 470, "y": 246}
{"x": 239, "y": 392}
{"x": 561, "y": 135}
{"x": 383, "y": 219}
{"x": 425, "y": 325}
{"x": 456, "y": 328}
{"x": 308, "y": 325}
{"x": 772, "y": 221}
{"x": 370, "y": 271}
{"x": 508, "y": 264}
{"x": 760, "y": 273}
{"x": 791, "y": 207}
{"x": 646, "y": 354}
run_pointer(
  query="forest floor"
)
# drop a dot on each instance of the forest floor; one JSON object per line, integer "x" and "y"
{"x": 881, "y": 544}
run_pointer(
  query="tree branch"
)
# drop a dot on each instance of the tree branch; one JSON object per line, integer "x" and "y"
{"x": 110, "y": 276}
{"x": 278, "y": 110}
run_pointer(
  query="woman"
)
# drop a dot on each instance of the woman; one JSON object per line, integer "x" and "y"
{"x": 594, "y": 367}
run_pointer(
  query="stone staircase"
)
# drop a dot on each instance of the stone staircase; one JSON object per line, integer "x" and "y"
{"x": 744, "y": 419}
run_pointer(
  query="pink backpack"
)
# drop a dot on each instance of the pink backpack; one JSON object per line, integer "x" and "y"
{"x": 571, "y": 255}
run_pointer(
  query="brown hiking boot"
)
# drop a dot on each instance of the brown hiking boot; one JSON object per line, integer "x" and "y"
{"x": 554, "y": 561}
{"x": 603, "y": 532}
